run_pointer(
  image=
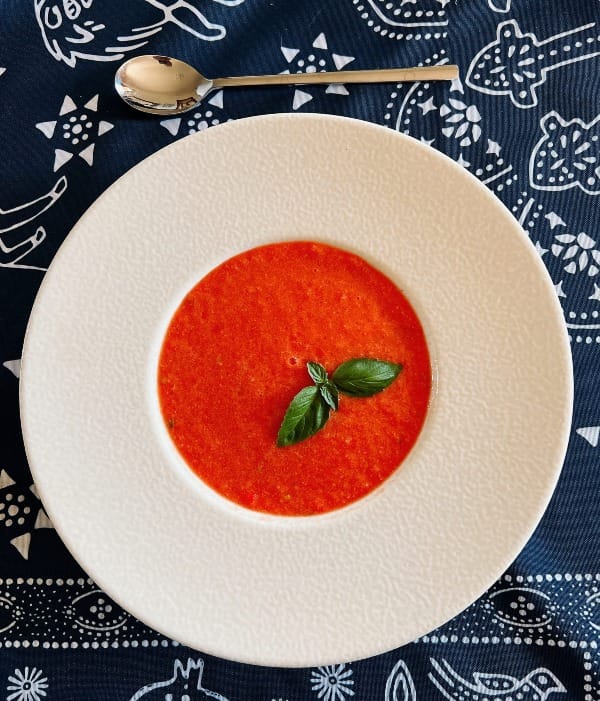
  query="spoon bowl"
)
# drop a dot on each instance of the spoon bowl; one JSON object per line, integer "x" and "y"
{"x": 160, "y": 85}
{"x": 167, "y": 86}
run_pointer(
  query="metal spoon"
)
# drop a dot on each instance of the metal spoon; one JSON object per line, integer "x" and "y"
{"x": 163, "y": 85}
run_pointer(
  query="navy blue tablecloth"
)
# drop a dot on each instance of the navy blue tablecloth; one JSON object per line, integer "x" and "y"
{"x": 524, "y": 117}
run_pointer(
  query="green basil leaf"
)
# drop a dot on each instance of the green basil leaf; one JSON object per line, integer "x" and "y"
{"x": 330, "y": 394}
{"x": 317, "y": 372}
{"x": 306, "y": 414}
{"x": 363, "y": 377}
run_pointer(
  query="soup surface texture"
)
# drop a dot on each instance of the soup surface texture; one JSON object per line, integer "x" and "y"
{"x": 236, "y": 352}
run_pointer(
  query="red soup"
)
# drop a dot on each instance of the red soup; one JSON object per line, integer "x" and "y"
{"x": 235, "y": 355}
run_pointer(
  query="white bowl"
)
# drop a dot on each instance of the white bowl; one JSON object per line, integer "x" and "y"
{"x": 359, "y": 581}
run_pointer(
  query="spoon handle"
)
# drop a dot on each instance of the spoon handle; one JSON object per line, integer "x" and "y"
{"x": 386, "y": 75}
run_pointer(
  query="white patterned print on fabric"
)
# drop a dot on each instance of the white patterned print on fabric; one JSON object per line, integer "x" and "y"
{"x": 500, "y": 5}
{"x": 94, "y": 611}
{"x": 591, "y": 434}
{"x": 399, "y": 685}
{"x": 517, "y": 63}
{"x": 577, "y": 254}
{"x": 332, "y": 683}
{"x": 317, "y": 58}
{"x": 14, "y": 247}
{"x": 184, "y": 685}
{"x": 538, "y": 685}
{"x": 567, "y": 155}
{"x": 13, "y": 366}
{"x": 405, "y": 20}
{"x": 208, "y": 114}
{"x": 20, "y": 514}
{"x": 79, "y": 29}
{"x": 78, "y": 127}
{"x": 523, "y": 608}
{"x": 26, "y": 685}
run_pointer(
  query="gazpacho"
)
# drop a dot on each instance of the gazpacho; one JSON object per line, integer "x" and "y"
{"x": 294, "y": 378}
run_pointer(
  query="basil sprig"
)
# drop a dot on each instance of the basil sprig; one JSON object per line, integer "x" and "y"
{"x": 309, "y": 410}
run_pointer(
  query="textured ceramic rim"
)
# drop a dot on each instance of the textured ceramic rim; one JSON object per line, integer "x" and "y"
{"x": 354, "y": 583}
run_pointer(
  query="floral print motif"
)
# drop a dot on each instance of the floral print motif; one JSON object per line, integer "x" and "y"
{"x": 462, "y": 121}
{"x": 579, "y": 252}
{"x": 332, "y": 683}
{"x": 26, "y": 685}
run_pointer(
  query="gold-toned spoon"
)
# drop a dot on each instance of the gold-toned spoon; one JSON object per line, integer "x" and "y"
{"x": 163, "y": 85}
